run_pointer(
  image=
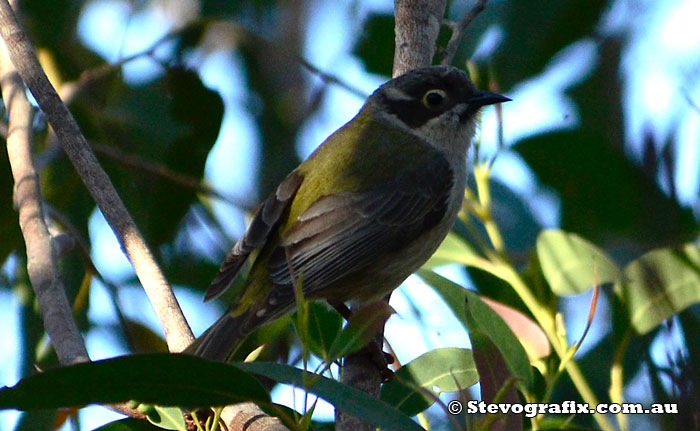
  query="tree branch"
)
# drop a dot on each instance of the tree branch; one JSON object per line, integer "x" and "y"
{"x": 41, "y": 255}
{"x": 458, "y": 31}
{"x": 417, "y": 28}
{"x": 188, "y": 182}
{"x": 177, "y": 332}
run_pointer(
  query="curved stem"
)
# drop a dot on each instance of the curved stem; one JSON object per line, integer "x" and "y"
{"x": 500, "y": 267}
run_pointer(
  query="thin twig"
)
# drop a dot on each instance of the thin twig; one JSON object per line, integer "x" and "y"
{"x": 689, "y": 99}
{"x": 331, "y": 79}
{"x": 70, "y": 90}
{"x": 136, "y": 162}
{"x": 458, "y": 30}
{"x": 41, "y": 256}
{"x": 177, "y": 332}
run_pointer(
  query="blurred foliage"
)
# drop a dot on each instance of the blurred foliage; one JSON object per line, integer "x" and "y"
{"x": 155, "y": 136}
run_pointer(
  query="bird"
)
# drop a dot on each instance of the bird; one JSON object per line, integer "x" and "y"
{"x": 363, "y": 212}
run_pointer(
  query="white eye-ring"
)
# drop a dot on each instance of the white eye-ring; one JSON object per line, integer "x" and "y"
{"x": 434, "y": 98}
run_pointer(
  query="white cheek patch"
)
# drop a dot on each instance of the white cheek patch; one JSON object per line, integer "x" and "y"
{"x": 396, "y": 95}
{"x": 447, "y": 130}
{"x": 442, "y": 127}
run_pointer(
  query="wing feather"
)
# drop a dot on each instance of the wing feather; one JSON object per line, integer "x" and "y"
{"x": 265, "y": 220}
{"x": 342, "y": 233}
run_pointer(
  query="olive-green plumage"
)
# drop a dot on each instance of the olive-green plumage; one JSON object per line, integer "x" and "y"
{"x": 363, "y": 212}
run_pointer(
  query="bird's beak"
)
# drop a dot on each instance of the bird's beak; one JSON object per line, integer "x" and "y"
{"x": 483, "y": 98}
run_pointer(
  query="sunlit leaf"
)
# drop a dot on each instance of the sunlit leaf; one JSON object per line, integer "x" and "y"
{"x": 452, "y": 250}
{"x": 479, "y": 318}
{"x": 660, "y": 284}
{"x": 169, "y": 418}
{"x": 571, "y": 264}
{"x": 417, "y": 385}
{"x": 529, "y": 333}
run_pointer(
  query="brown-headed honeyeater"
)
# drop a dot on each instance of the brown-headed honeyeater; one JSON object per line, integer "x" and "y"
{"x": 362, "y": 213}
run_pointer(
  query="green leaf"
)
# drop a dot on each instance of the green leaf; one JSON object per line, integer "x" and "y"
{"x": 142, "y": 339}
{"x": 494, "y": 377}
{"x": 163, "y": 379}
{"x": 169, "y": 418}
{"x": 605, "y": 197}
{"x": 350, "y": 400}
{"x": 477, "y": 317}
{"x": 150, "y": 139}
{"x": 437, "y": 371}
{"x": 324, "y": 325}
{"x": 571, "y": 264}
{"x": 362, "y": 327}
{"x": 660, "y": 284}
{"x": 452, "y": 250}
{"x": 376, "y": 46}
{"x": 128, "y": 424}
{"x": 556, "y": 24}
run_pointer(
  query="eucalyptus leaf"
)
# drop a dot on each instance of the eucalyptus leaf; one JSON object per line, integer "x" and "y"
{"x": 571, "y": 264}
{"x": 530, "y": 334}
{"x": 169, "y": 418}
{"x": 418, "y": 384}
{"x": 660, "y": 284}
{"x": 452, "y": 250}
{"x": 128, "y": 424}
{"x": 477, "y": 317}
{"x": 348, "y": 399}
{"x": 376, "y": 45}
{"x": 323, "y": 327}
{"x": 363, "y": 326}
{"x": 160, "y": 378}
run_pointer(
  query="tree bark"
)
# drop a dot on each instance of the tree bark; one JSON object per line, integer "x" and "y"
{"x": 177, "y": 331}
{"x": 42, "y": 265}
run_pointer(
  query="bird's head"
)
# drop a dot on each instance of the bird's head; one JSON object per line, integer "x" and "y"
{"x": 439, "y": 104}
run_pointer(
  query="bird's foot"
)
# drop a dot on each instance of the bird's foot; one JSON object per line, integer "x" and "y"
{"x": 381, "y": 360}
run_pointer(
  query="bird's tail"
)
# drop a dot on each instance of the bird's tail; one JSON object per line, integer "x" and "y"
{"x": 222, "y": 339}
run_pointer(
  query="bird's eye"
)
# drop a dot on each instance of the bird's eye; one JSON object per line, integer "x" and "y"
{"x": 434, "y": 98}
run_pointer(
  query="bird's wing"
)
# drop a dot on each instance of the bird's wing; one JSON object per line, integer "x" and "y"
{"x": 264, "y": 222}
{"x": 342, "y": 233}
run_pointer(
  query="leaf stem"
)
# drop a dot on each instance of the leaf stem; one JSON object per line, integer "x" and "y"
{"x": 482, "y": 175}
{"x": 501, "y": 267}
{"x": 617, "y": 377}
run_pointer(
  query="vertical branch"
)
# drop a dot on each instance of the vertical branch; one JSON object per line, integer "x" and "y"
{"x": 41, "y": 256}
{"x": 417, "y": 28}
{"x": 177, "y": 332}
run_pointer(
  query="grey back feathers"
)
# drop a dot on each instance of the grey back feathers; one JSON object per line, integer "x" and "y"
{"x": 263, "y": 223}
